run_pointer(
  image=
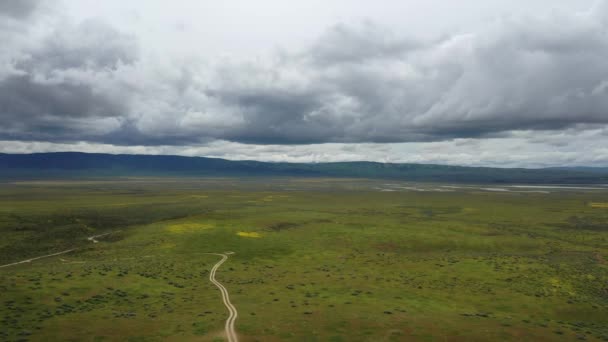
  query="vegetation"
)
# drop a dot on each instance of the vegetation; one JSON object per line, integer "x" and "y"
{"x": 315, "y": 260}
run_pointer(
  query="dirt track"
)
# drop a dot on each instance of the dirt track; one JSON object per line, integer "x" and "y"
{"x": 90, "y": 238}
{"x": 94, "y": 237}
{"x": 229, "y": 327}
{"x": 36, "y": 258}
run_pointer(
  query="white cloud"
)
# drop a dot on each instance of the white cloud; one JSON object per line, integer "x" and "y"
{"x": 518, "y": 91}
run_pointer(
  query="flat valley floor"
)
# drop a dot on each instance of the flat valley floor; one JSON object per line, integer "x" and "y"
{"x": 314, "y": 260}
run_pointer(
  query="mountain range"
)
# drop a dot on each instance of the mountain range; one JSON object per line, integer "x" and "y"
{"x": 77, "y": 164}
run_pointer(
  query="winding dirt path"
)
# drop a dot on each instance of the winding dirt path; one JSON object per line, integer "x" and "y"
{"x": 90, "y": 238}
{"x": 229, "y": 327}
{"x": 36, "y": 258}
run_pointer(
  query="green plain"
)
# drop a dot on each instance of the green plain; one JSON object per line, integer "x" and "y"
{"x": 335, "y": 260}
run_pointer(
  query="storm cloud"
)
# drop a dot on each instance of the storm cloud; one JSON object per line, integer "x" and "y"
{"x": 18, "y": 9}
{"x": 65, "y": 87}
{"x": 355, "y": 83}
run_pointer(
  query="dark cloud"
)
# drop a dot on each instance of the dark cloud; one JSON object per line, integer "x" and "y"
{"x": 353, "y": 84}
{"x": 539, "y": 74}
{"x": 22, "y": 97}
{"x": 55, "y": 111}
{"x": 18, "y": 9}
{"x": 90, "y": 44}
{"x": 65, "y": 86}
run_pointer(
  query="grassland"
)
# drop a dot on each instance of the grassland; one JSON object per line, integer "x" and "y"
{"x": 315, "y": 260}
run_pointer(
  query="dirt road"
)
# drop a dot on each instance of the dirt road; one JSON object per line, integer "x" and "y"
{"x": 90, "y": 238}
{"x": 229, "y": 327}
{"x": 36, "y": 258}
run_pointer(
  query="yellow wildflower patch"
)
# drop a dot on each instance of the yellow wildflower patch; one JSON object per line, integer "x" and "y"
{"x": 188, "y": 227}
{"x": 249, "y": 234}
{"x": 598, "y": 205}
{"x": 271, "y": 198}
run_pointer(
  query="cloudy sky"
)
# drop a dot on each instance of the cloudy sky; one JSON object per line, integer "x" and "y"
{"x": 473, "y": 82}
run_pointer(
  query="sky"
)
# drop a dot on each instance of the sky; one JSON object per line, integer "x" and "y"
{"x": 474, "y": 82}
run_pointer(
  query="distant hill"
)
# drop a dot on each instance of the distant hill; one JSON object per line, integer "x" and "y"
{"x": 75, "y": 164}
{"x": 603, "y": 170}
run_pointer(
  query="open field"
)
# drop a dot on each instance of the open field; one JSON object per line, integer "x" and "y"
{"x": 315, "y": 260}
